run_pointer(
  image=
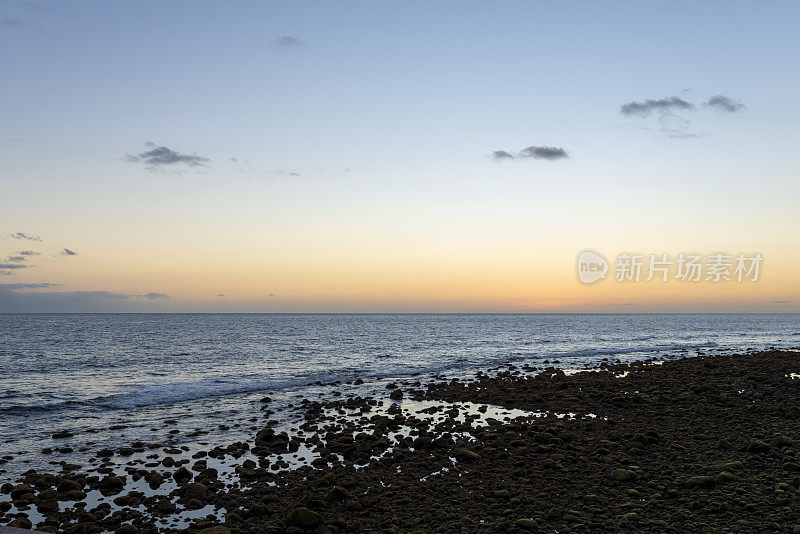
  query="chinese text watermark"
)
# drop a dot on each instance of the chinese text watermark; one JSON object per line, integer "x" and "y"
{"x": 685, "y": 267}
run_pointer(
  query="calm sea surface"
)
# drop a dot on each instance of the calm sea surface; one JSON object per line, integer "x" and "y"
{"x": 86, "y": 373}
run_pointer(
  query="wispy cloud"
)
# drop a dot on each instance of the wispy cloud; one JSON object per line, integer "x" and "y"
{"x": 27, "y": 237}
{"x": 724, "y": 103}
{"x": 19, "y": 286}
{"x": 16, "y": 258}
{"x": 531, "y": 152}
{"x": 13, "y": 266}
{"x": 155, "y": 296}
{"x": 7, "y": 22}
{"x": 158, "y": 157}
{"x": 781, "y": 301}
{"x": 29, "y": 253}
{"x": 288, "y": 41}
{"x": 68, "y": 252}
{"x": 662, "y": 105}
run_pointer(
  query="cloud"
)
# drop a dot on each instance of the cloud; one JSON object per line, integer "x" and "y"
{"x": 18, "y": 286}
{"x": 29, "y": 253}
{"x": 724, "y": 103}
{"x": 23, "y": 235}
{"x": 500, "y": 155}
{"x": 271, "y": 295}
{"x": 159, "y": 156}
{"x": 7, "y": 22}
{"x": 288, "y": 172}
{"x": 68, "y": 252}
{"x": 13, "y": 266}
{"x": 155, "y": 296}
{"x": 781, "y": 301}
{"x": 287, "y": 41}
{"x": 16, "y": 258}
{"x": 662, "y": 105}
{"x": 220, "y": 295}
{"x": 531, "y": 152}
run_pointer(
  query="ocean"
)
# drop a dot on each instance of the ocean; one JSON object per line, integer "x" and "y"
{"x": 113, "y": 379}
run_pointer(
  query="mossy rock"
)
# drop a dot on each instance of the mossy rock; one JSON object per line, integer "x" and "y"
{"x": 783, "y": 441}
{"x": 726, "y": 476}
{"x": 701, "y": 481}
{"x": 624, "y": 475}
{"x": 792, "y": 467}
{"x": 502, "y": 494}
{"x": 734, "y": 466}
{"x": 304, "y": 518}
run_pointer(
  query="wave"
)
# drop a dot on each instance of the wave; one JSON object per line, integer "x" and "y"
{"x": 192, "y": 390}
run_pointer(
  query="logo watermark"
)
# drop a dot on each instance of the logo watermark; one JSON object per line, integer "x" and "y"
{"x": 685, "y": 267}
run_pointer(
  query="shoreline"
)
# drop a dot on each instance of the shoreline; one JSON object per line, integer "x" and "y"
{"x": 692, "y": 444}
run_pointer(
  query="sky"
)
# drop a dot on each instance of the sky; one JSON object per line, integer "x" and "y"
{"x": 395, "y": 157}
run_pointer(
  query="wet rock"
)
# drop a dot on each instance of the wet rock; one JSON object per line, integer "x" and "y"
{"x": 397, "y": 394}
{"x": 111, "y": 484}
{"x": 20, "y": 490}
{"x": 182, "y": 475}
{"x": 195, "y": 491}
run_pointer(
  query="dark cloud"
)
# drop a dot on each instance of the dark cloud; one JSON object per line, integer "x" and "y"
{"x": 68, "y": 252}
{"x": 29, "y": 253}
{"x": 18, "y": 286}
{"x": 531, "y": 152}
{"x": 11, "y": 266}
{"x": 724, "y": 103}
{"x": 501, "y": 155}
{"x": 16, "y": 258}
{"x": 23, "y": 235}
{"x": 159, "y": 156}
{"x": 7, "y": 22}
{"x": 220, "y": 295}
{"x": 287, "y": 41}
{"x": 662, "y": 105}
{"x": 544, "y": 152}
{"x": 155, "y": 296}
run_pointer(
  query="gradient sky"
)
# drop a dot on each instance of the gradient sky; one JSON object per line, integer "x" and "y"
{"x": 338, "y": 156}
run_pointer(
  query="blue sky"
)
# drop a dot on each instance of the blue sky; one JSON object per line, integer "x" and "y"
{"x": 369, "y": 127}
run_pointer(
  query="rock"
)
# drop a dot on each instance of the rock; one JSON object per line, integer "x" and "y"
{"x": 466, "y": 455}
{"x": 195, "y": 490}
{"x": 756, "y": 446}
{"x": 525, "y": 524}
{"x": 701, "y": 481}
{"x": 782, "y": 441}
{"x": 623, "y": 475}
{"x": 111, "y": 484}
{"x": 396, "y": 394}
{"x": 19, "y": 490}
{"x": 182, "y": 475}
{"x": 6, "y": 488}
{"x": 791, "y": 467}
{"x": 304, "y": 518}
{"x": 726, "y": 476}
{"x": 127, "y": 529}
{"x": 215, "y": 530}
{"x": 47, "y": 506}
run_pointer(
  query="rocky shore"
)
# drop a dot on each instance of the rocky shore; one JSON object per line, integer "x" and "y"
{"x": 705, "y": 444}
